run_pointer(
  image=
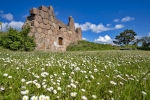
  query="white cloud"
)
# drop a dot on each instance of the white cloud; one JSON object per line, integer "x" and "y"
{"x": 126, "y": 19}
{"x": 8, "y": 16}
{"x": 105, "y": 39}
{"x": 116, "y": 20}
{"x": 13, "y": 24}
{"x": 57, "y": 13}
{"x": 84, "y": 27}
{"x": 108, "y": 24}
{"x": 118, "y": 26}
{"x": 149, "y": 34}
{"x": 97, "y": 28}
{"x": 84, "y": 38}
{"x": 25, "y": 15}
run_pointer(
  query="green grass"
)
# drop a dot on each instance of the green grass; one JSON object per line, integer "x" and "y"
{"x": 108, "y": 75}
{"x": 90, "y": 46}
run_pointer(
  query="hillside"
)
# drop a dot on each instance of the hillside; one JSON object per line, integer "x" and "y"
{"x": 90, "y": 46}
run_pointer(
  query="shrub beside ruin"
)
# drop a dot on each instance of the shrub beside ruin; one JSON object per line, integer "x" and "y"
{"x": 17, "y": 40}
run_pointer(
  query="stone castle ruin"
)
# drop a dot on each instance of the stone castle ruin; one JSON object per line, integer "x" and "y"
{"x": 50, "y": 33}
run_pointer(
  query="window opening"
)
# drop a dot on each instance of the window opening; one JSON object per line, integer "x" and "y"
{"x": 60, "y": 41}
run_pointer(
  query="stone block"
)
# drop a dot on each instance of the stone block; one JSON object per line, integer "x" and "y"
{"x": 63, "y": 29}
{"x": 45, "y": 21}
{"x": 50, "y": 22}
{"x": 39, "y": 30}
{"x": 31, "y": 34}
{"x": 51, "y": 8}
{"x": 51, "y": 18}
{"x": 53, "y": 24}
{"x": 34, "y": 11}
{"x": 35, "y": 23}
{"x": 42, "y": 46}
{"x": 46, "y": 32}
{"x": 42, "y": 14}
{"x": 50, "y": 13}
{"x": 52, "y": 28}
{"x": 42, "y": 35}
{"x": 37, "y": 35}
{"x": 43, "y": 8}
{"x": 46, "y": 15}
{"x": 47, "y": 26}
{"x": 50, "y": 32}
{"x": 37, "y": 18}
{"x": 48, "y": 47}
{"x": 41, "y": 25}
{"x": 33, "y": 29}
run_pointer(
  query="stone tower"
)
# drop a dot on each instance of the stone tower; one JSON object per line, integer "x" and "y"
{"x": 50, "y": 33}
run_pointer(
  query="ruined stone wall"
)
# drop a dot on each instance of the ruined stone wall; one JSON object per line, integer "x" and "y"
{"x": 50, "y": 33}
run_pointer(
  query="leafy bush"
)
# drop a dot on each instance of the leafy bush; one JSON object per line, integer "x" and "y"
{"x": 17, "y": 40}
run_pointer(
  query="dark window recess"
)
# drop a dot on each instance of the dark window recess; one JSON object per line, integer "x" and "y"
{"x": 60, "y": 41}
{"x": 60, "y": 27}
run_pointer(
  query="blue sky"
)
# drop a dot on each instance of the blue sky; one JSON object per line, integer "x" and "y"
{"x": 100, "y": 20}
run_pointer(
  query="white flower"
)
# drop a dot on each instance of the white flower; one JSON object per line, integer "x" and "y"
{"x": 90, "y": 72}
{"x": 55, "y": 91}
{"x": 9, "y": 76}
{"x": 23, "y": 87}
{"x": 44, "y": 74}
{"x": 58, "y": 81}
{"x": 144, "y": 93}
{"x": 110, "y": 91}
{"x": 121, "y": 83}
{"x": 2, "y": 88}
{"x": 68, "y": 86}
{"x": 50, "y": 89}
{"x": 98, "y": 83}
{"x": 25, "y": 97}
{"x": 112, "y": 99}
{"x": 84, "y": 98}
{"x": 34, "y": 98}
{"x": 5, "y": 74}
{"x": 73, "y": 94}
{"x": 17, "y": 68}
{"x": 112, "y": 82}
{"x": 77, "y": 69}
{"x": 92, "y": 76}
{"x": 29, "y": 82}
{"x": 38, "y": 85}
{"x": 42, "y": 97}
{"x": 94, "y": 96}
{"x": 72, "y": 73}
{"x": 95, "y": 70}
{"x": 83, "y": 90}
{"x": 73, "y": 85}
{"x": 55, "y": 74}
{"x": 24, "y": 92}
{"x": 44, "y": 86}
{"x": 59, "y": 88}
{"x": 47, "y": 98}
{"x": 23, "y": 80}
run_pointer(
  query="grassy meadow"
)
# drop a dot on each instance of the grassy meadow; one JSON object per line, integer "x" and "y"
{"x": 93, "y": 75}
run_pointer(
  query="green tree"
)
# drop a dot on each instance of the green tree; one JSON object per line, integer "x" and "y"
{"x": 125, "y": 37}
{"x": 143, "y": 42}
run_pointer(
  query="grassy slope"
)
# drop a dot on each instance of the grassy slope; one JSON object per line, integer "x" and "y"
{"x": 89, "y": 46}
